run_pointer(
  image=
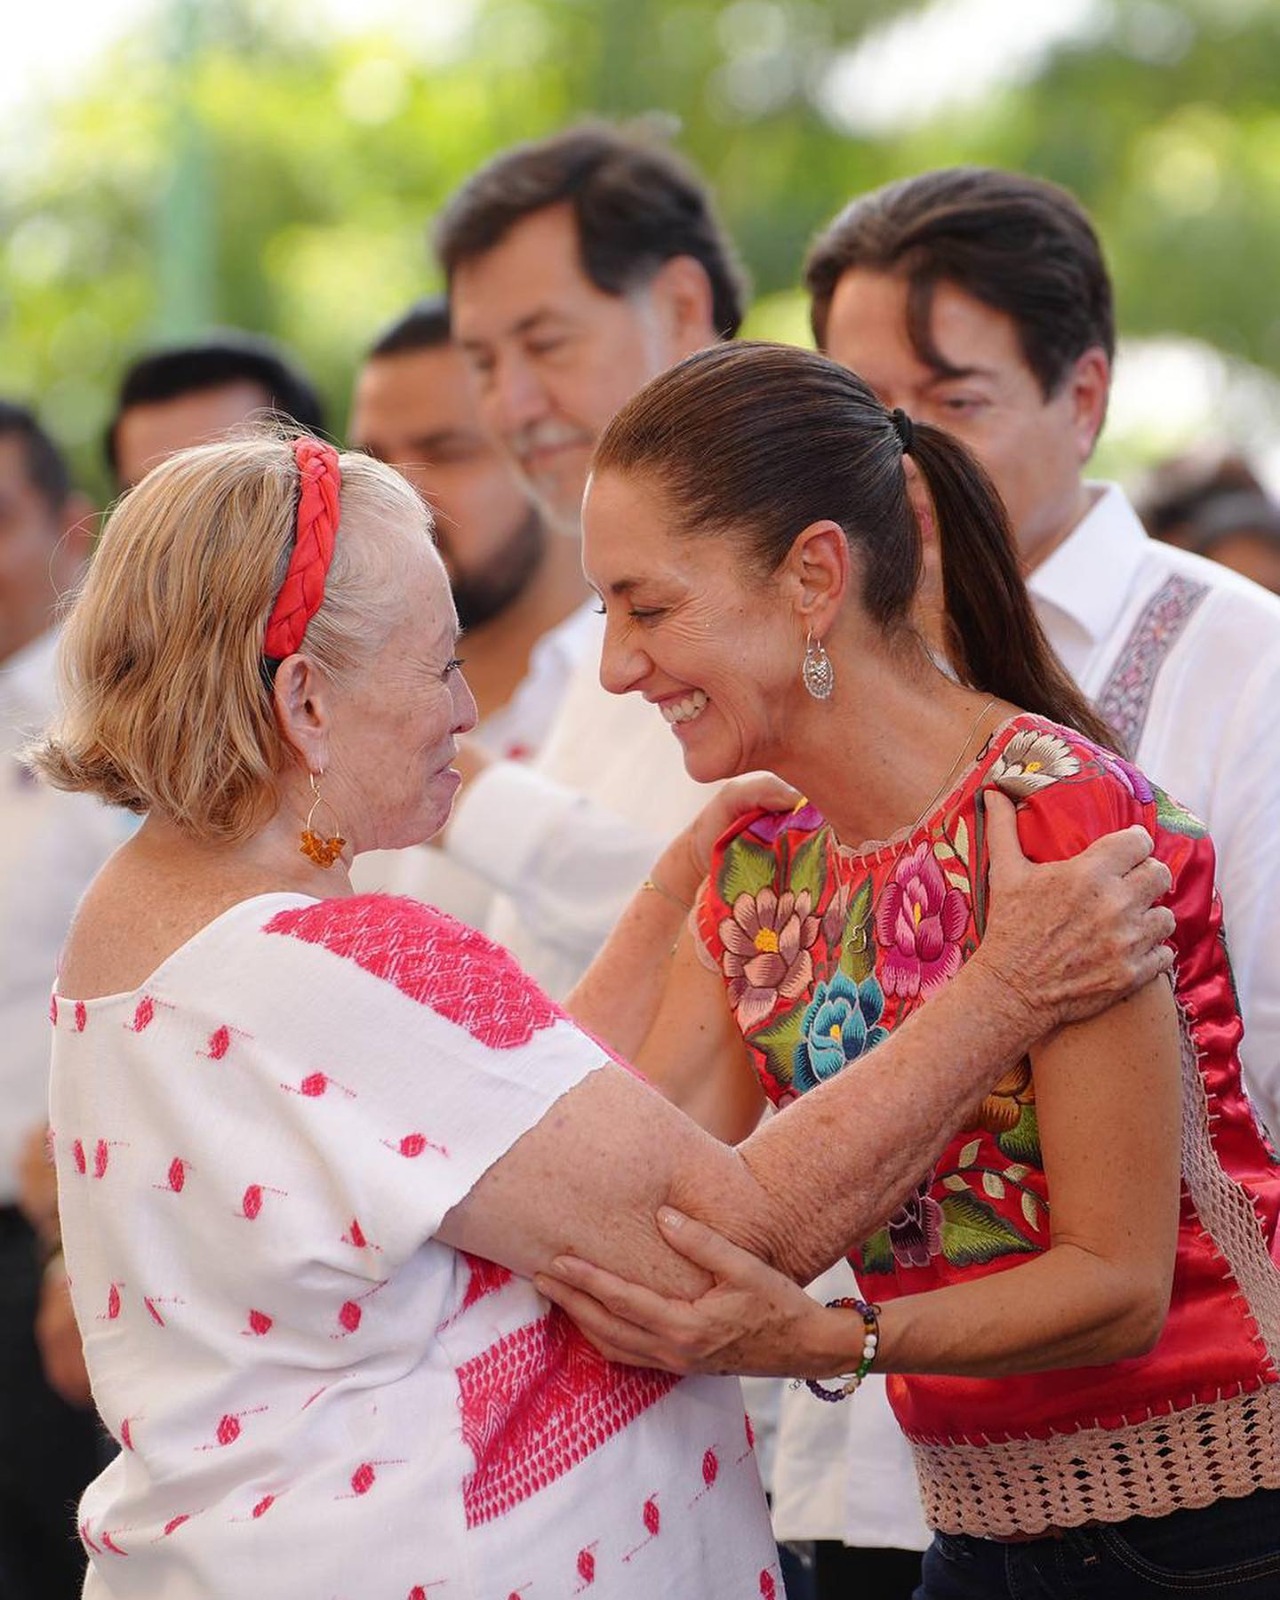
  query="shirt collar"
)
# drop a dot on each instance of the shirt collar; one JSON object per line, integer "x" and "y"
{"x": 1108, "y": 541}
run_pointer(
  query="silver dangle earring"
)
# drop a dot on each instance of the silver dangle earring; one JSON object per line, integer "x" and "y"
{"x": 818, "y": 673}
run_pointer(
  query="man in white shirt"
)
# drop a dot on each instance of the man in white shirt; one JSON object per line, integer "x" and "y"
{"x": 979, "y": 301}
{"x": 50, "y": 846}
{"x": 516, "y": 582}
{"x": 579, "y": 267}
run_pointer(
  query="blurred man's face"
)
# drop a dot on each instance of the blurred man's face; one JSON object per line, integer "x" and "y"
{"x": 30, "y": 531}
{"x": 554, "y": 357}
{"x": 149, "y": 433}
{"x": 415, "y": 410}
{"x": 1033, "y": 448}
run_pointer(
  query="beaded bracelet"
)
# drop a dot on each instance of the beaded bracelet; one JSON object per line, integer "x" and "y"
{"x": 870, "y": 1341}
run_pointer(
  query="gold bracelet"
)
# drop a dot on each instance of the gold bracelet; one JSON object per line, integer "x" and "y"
{"x": 666, "y": 895}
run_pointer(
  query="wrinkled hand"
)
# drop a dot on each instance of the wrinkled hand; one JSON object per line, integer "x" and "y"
{"x": 685, "y": 862}
{"x": 1070, "y": 938}
{"x": 58, "y": 1340}
{"x": 752, "y": 1320}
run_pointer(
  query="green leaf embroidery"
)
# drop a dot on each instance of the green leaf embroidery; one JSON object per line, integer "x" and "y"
{"x": 1022, "y": 1141}
{"x": 972, "y": 1233}
{"x": 956, "y": 1183}
{"x": 1031, "y": 1209}
{"x": 858, "y": 950}
{"x": 747, "y": 869}
{"x": 809, "y": 867}
{"x": 993, "y": 1184}
{"x": 876, "y": 1255}
{"x": 969, "y": 1154}
{"x": 778, "y": 1043}
{"x": 1176, "y": 818}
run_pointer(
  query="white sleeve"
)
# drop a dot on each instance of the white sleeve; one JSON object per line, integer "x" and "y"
{"x": 1245, "y": 814}
{"x": 569, "y": 864}
{"x": 414, "y": 1053}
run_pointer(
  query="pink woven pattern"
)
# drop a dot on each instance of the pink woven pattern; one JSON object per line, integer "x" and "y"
{"x": 302, "y": 592}
{"x": 1178, "y": 1462}
{"x": 538, "y": 1402}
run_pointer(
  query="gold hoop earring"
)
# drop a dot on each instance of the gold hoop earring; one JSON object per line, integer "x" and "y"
{"x": 324, "y": 851}
{"x": 816, "y": 670}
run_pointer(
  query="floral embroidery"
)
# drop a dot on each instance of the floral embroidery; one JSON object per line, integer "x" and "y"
{"x": 915, "y": 1228}
{"x": 826, "y": 951}
{"x": 841, "y": 1024}
{"x": 1001, "y": 1110}
{"x": 1033, "y": 760}
{"x": 767, "y": 942}
{"x": 919, "y": 922}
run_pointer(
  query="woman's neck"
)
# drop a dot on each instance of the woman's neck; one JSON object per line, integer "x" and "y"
{"x": 878, "y": 758}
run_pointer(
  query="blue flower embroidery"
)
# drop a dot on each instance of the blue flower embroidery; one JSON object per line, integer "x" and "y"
{"x": 841, "y": 1024}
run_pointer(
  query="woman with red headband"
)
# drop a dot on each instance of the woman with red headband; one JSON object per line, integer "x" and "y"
{"x": 311, "y": 1146}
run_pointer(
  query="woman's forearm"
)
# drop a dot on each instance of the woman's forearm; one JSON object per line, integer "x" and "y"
{"x": 618, "y": 996}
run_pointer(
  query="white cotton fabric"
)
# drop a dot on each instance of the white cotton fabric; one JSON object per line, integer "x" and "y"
{"x": 253, "y": 1153}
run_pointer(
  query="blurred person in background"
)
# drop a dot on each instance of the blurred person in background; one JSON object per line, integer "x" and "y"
{"x": 517, "y": 583}
{"x": 578, "y": 268}
{"x": 51, "y": 844}
{"x": 1242, "y": 532}
{"x": 1216, "y": 505}
{"x": 1174, "y": 492}
{"x": 187, "y": 394}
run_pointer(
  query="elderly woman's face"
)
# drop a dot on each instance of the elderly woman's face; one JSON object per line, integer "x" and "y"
{"x": 396, "y": 732}
{"x": 711, "y": 644}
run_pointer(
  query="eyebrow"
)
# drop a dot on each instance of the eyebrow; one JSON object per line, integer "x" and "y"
{"x": 951, "y": 374}
{"x": 526, "y": 324}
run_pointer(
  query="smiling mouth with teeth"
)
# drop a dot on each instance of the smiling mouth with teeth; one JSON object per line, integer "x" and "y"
{"x": 685, "y": 710}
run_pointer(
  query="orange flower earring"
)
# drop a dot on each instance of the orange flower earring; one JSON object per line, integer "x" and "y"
{"x": 315, "y": 846}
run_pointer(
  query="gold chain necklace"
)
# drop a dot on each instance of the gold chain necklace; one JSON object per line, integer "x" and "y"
{"x": 860, "y": 938}
{"x": 951, "y": 772}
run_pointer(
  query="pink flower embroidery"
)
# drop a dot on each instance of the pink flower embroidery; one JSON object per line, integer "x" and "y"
{"x": 919, "y": 923}
{"x": 767, "y": 942}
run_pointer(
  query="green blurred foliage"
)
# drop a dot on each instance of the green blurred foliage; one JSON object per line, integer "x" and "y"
{"x": 240, "y": 166}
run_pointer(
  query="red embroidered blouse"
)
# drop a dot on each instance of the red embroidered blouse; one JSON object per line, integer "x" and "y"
{"x": 825, "y": 949}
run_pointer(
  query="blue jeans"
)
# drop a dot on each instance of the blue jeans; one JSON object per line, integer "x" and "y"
{"x": 1230, "y": 1550}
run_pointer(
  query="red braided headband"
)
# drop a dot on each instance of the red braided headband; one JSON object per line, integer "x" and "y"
{"x": 302, "y": 592}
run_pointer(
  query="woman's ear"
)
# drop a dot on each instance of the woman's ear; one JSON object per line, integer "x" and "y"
{"x": 301, "y": 699}
{"x": 818, "y": 572}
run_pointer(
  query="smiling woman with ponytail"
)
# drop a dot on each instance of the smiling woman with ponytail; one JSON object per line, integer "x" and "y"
{"x": 1088, "y": 1369}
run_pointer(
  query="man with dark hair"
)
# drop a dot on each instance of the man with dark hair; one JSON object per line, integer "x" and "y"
{"x": 190, "y": 393}
{"x": 578, "y": 267}
{"x": 980, "y": 301}
{"x": 517, "y": 585}
{"x": 50, "y": 846}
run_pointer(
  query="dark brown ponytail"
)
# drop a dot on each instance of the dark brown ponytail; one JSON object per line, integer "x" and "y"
{"x": 995, "y": 641}
{"x": 757, "y": 441}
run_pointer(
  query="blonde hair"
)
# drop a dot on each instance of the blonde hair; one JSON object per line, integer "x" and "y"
{"x": 167, "y": 707}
